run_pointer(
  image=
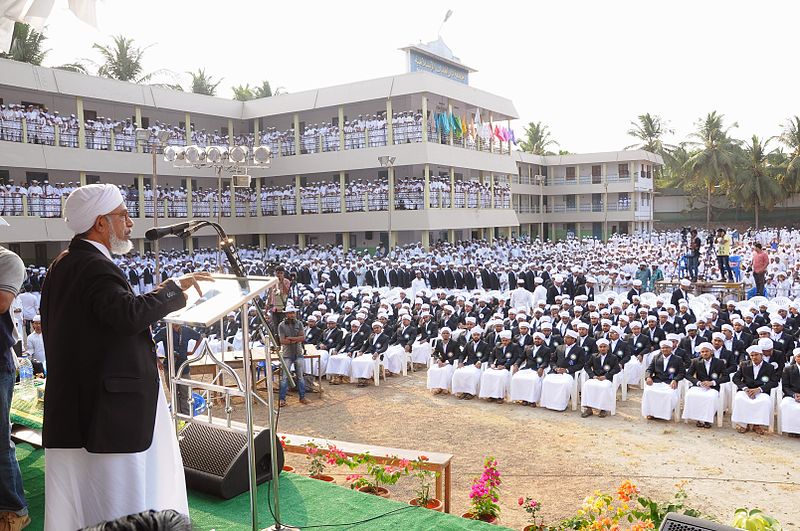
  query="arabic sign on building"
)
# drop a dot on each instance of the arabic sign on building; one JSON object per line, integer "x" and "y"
{"x": 421, "y": 62}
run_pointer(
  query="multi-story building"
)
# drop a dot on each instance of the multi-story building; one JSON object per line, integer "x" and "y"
{"x": 415, "y": 157}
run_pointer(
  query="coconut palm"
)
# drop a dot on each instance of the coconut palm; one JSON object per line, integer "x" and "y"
{"x": 263, "y": 91}
{"x": 537, "y": 138}
{"x": 790, "y": 137}
{"x": 243, "y": 92}
{"x": 650, "y": 130}
{"x": 203, "y": 84}
{"x": 756, "y": 181}
{"x": 122, "y": 60}
{"x": 26, "y": 45}
{"x": 714, "y": 162}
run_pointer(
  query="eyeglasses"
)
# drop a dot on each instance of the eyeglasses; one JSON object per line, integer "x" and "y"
{"x": 122, "y": 215}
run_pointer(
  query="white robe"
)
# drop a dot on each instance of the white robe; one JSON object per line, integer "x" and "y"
{"x": 421, "y": 352}
{"x": 700, "y": 404}
{"x": 790, "y": 415}
{"x": 748, "y": 410}
{"x": 599, "y": 394}
{"x": 659, "y": 400}
{"x": 556, "y": 391}
{"x": 526, "y": 386}
{"x": 362, "y": 366}
{"x": 338, "y": 365}
{"x": 467, "y": 379}
{"x": 634, "y": 370}
{"x": 84, "y": 489}
{"x": 494, "y": 383}
{"x": 394, "y": 358}
{"x": 439, "y": 377}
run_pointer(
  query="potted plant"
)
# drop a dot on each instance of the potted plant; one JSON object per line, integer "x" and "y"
{"x": 754, "y": 519}
{"x": 425, "y": 479}
{"x": 485, "y": 494}
{"x": 532, "y": 507}
{"x": 377, "y": 475}
{"x": 316, "y": 466}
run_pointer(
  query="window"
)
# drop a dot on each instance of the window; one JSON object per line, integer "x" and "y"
{"x": 623, "y": 170}
{"x": 92, "y": 179}
{"x": 4, "y": 174}
{"x": 596, "y": 174}
{"x": 31, "y": 176}
{"x": 223, "y": 131}
{"x": 145, "y": 122}
{"x": 89, "y": 115}
{"x": 570, "y": 173}
{"x": 569, "y": 200}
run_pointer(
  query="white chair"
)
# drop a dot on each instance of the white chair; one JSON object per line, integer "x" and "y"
{"x": 778, "y": 398}
{"x": 577, "y": 382}
{"x": 775, "y": 404}
{"x": 377, "y": 370}
{"x": 619, "y": 383}
{"x": 686, "y": 385}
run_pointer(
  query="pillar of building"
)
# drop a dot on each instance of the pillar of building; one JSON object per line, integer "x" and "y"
{"x": 341, "y": 130}
{"x": 137, "y": 114}
{"x": 424, "y": 118}
{"x": 256, "y": 132}
{"x": 426, "y": 189}
{"x": 346, "y": 242}
{"x": 296, "y": 125}
{"x": 450, "y": 113}
{"x": 189, "y": 199}
{"x": 82, "y": 178}
{"x": 342, "y": 186}
{"x": 187, "y": 120}
{"x": 451, "y": 235}
{"x": 426, "y": 239}
{"x": 301, "y": 240}
{"x": 453, "y": 187}
{"x": 230, "y": 133}
{"x": 297, "y": 199}
{"x": 491, "y": 187}
{"x": 81, "y": 122}
{"x": 140, "y": 245}
{"x": 389, "y": 126}
{"x": 189, "y": 244}
{"x": 262, "y": 241}
{"x": 140, "y": 189}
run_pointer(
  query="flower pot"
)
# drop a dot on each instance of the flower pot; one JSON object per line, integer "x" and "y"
{"x": 323, "y": 477}
{"x": 488, "y": 519}
{"x": 533, "y": 527}
{"x": 288, "y": 468}
{"x": 433, "y": 504}
{"x": 377, "y": 491}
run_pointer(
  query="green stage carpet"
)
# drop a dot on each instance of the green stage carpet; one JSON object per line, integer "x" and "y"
{"x": 304, "y": 502}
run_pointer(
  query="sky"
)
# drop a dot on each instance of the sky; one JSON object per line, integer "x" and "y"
{"x": 586, "y": 69}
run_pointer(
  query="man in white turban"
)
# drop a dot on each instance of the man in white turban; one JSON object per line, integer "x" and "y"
{"x": 110, "y": 448}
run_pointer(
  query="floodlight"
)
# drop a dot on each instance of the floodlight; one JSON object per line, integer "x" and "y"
{"x": 386, "y": 160}
{"x": 173, "y": 153}
{"x": 261, "y": 155}
{"x": 215, "y": 154}
{"x": 195, "y": 155}
{"x": 238, "y": 154}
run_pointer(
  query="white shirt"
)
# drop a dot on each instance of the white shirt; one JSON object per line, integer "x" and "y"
{"x": 35, "y": 347}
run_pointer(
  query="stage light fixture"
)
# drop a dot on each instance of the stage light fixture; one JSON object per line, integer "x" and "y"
{"x": 262, "y": 155}
{"x": 215, "y": 154}
{"x": 173, "y": 153}
{"x": 238, "y": 154}
{"x": 195, "y": 155}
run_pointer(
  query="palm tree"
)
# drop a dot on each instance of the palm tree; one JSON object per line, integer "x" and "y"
{"x": 650, "y": 130}
{"x": 203, "y": 84}
{"x": 26, "y": 45}
{"x": 122, "y": 60}
{"x": 537, "y": 138}
{"x": 756, "y": 181}
{"x": 714, "y": 163}
{"x": 243, "y": 92}
{"x": 77, "y": 66}
{"x": 264, "y": 91}
{"x": 790, "y": 137}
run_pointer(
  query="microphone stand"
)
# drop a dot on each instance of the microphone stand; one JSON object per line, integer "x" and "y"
{"x": 264, "y": 332}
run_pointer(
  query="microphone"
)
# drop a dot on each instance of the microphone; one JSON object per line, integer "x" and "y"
{"x": 177, "y": 229}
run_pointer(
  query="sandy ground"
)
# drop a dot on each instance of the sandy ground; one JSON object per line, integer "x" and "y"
{"x": 556, "y": 458}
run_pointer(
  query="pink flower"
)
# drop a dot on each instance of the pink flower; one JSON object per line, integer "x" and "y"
{"x": 520, "y": 501}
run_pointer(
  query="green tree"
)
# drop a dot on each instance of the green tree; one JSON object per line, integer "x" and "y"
{"x": 714, "y": 162}
{"x": 243, "y": 92}
{"x": 203, "y": 84}
{"x": 790, "y": 137}
{"x": 27, "y": 45}
{"x": 756, "y": 181}
{"x": 122, "y": 60}
{"x": 537, "y": 139}
{"x": 650, "y": 130}
{"x": 263, "y": 91}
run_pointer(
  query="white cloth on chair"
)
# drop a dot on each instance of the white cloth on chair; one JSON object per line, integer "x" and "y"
{"x": 599, "y": 394}
{"x": 314, "y": 366}
{"x": 339, "y": 365}
{"x": 394, "y": 358}
{"x": 659, "y": 400}
{"x": 362, "y": 366}
{"x": 526, "y": 385}
{"x": 467, "y": 379}
{"x": 748, "y": 410}
{"x": 700, "y": 404}
{"x": 634, "y": 370}
{"x": 556, "y": 391}
{"x": 421, "y": 352}
{"x": 790, "y": 415}
{"x": 494, "y": 383}
{"x": 439, "y": 377}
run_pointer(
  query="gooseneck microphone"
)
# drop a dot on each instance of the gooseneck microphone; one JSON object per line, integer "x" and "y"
{"x": 156, "y": 233}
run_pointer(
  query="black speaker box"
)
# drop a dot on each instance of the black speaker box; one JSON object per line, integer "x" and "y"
{"x": 215, "y": 459}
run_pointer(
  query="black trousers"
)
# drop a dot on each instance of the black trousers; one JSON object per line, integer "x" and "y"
{"x": 723, "y": 260}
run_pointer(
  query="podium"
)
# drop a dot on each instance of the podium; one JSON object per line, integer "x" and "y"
{"x": 227, "y": 293}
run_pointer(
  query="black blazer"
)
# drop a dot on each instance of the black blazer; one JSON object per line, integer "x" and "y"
{"x": 658, "y": 374}
{"x": 500, "y": 359}
{"x": 595, "y": 368}
{"x": 744, "y": 377}
{"x": 450, "y": 353}
{"x": 791, "y": 380}
{"x": 102, "y": 386}
{"x": 697, "y": 371}
{"x": 540, "y": 360}
{"x": 473, "y": 354}
{"x": 573, "y": 361}
{"x": 332, "y": 340}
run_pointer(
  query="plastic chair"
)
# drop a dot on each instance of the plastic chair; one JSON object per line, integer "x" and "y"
{"x": 199, "y": 405}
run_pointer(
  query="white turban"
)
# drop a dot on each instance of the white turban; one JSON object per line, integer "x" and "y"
{"x": 87, "y": 202}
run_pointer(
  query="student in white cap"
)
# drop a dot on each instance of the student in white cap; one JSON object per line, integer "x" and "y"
{"x": 565, "y": 364}
{"x": 106, "y": 423}
{"x": 752, "y": 406}
{"x": 467, "y": 376}
{"x": 790, "y": 405}
{"x": 372, "y": 350}
{"x": 340, "y": 359}
{"x": 706, "y": 374}
{"x": 598, "y": 391}
{"x": 526, "y": 384}
{"x": 495, "y": 380}
{"x": 661, "y": 394}
{"x": 446, "y": 353}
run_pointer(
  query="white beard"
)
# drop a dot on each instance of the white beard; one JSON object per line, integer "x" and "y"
{"x": 120, "y": 246}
